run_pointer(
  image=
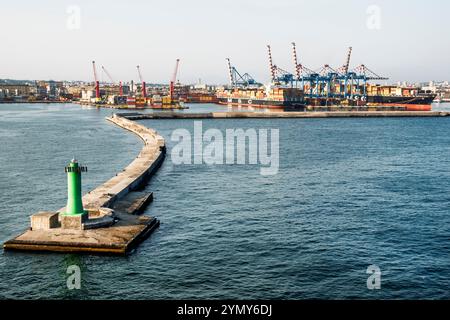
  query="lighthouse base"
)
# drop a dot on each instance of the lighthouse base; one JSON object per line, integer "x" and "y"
{"x": 45, "y": 220}
{"x": 73, "y": 222}
{"x": 108, "y": 231}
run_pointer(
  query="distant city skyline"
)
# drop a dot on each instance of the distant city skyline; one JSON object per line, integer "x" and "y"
{"x": 403, "y": 40}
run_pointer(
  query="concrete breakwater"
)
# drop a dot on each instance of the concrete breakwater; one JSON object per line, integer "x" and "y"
{"x": 117, "y": 195}
{"x": 265, "y": 115}
{"x": 136, "y": 173}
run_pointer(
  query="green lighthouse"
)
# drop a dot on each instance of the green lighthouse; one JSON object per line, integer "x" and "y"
{"x": 74, "y": 203}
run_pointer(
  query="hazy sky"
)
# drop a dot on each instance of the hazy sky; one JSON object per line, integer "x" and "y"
{"x": 402, "y": 39}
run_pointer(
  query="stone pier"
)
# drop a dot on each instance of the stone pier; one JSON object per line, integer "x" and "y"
{"x": 117, "y": 194}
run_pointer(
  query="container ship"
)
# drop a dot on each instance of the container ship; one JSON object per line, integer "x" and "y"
{"x": 322, "y": 89}
{"x": 406, "y": 103}
{"x": 283, "y": 98}
{"x": 411, "y": 98}
{"x": 263, "y": 97}
{"x": 416, "y": 103}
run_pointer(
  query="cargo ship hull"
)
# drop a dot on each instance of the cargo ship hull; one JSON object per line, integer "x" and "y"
{"x": 407, "y": 103}
{"x": 416, "y": 103}
{"x": 257, "y": 103}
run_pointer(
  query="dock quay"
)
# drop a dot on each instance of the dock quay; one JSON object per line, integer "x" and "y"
{"x": 130, "y": 107}
{"x": 115, "y": 224}
{"x": 265, "y": 115}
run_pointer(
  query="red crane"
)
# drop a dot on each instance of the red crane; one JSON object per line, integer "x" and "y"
{"x": 97, "y": 83}
{"x": 144, "y": 91}
{"x": 173, "y": 80}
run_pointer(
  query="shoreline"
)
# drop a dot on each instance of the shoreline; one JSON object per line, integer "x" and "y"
{"x": 35, "y": 102}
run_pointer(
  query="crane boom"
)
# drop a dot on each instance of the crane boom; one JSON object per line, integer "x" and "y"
{"x": 97, "y": 83}
{"x": 230, "y": 73}
{"x": 112, "y": 80}
{"x": 297, "y": 66}
{"x": 107, "y": 74}
{"x": 95, "y": 71}
{"x": 271, "y": 66}
{"x": 139, "y": 73}
{"x": 347, "y": 65}
{"x": 174, "y": 79}
{"x": 144, "y": 91}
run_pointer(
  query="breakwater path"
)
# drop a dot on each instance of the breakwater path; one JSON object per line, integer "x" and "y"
{"x": 130, "y": 229}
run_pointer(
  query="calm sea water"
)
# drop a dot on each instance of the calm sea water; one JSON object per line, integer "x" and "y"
{"x": 350, "y": 193}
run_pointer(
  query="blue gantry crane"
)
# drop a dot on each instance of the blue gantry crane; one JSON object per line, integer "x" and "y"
{"x": 239, "y": 80}
{"x": 279, "y": 76}
{"x": 322, "y": 83}
{"x": 358, "y": 76}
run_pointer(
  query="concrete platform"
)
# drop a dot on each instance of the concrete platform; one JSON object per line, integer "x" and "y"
{"x": 118, "y": 239}
{"x": 119, "y": 193}
{"x": 134, "y": 203}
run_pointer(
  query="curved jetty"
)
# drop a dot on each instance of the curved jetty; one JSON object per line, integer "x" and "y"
{"x": 117, "y": 195}
{"x": 136, "y": 173}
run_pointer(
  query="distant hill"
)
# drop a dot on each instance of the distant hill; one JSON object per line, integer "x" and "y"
{"x": 11, "y": 81}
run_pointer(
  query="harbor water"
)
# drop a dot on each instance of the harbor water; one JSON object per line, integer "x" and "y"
{"x": 349, "y": 194}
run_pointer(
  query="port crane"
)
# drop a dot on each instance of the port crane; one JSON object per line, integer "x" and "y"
{"x": 300, "y": 70}
{"x": 96, "y": 82}
{"x": 325, "y": 82}
{"x": 297, "y": 66}
{"x": 283, "y": 76}
{"x": 305, "y": 75}
{"x": 364, "y": 74}
{"x": 345, "y": 68}
{"x": 271, "y": 66}
{"x": 358, "y": 76}
{"x": 173, "y": 80}
{"x": 144, "y": 90}
{"x": 238, "y": 80}
{"x": 322, "y": 82}
{"x": 278, "y": 75}
{"x": 347, "y": 76}
{"x": 326, "y": 78}
{"x": 112, "y": 80}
